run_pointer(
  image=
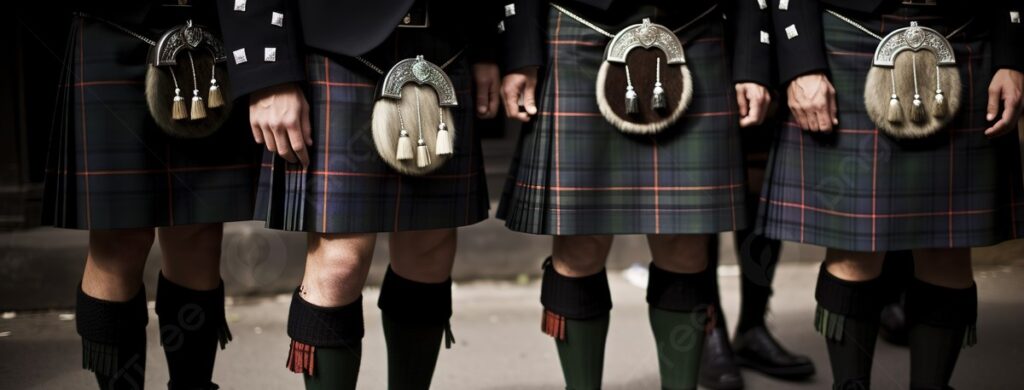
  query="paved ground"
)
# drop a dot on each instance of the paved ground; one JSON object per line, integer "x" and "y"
{"x": 500, "y": 346}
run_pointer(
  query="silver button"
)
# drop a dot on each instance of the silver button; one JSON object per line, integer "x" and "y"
{"x": 783, "y": 5}
{"x": 1015, "y": 17}
{"x": 762, "y": 4}
{"x": 501, "y": 26}
{"x": 270, "y": 54}
{"x": 239, "y": 56}
{"x": 765, "y": 38}
{"x": 791, "y": 31}
{"x": 277, "y": 19}
{"x": 240, "y": 5}
{"x": 510, "y": 9}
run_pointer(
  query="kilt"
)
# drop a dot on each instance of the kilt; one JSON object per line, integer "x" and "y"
{"x": 347, "y": 187}
{"x": 575, "y": 174}
{"x": 860, "y": 190}
{"x": 110, "y": 166}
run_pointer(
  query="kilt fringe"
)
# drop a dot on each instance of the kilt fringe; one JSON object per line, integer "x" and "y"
{"x": 301, "y": 358}
{"x": 224, "y": 334}
{"x": 971, "y": 336}
{"x": 449, "y": 337}
{"x": 553, "y": 325}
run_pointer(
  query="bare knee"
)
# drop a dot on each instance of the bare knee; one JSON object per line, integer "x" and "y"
{"x": 577, "y": 256}
{"x": 424, "y": 256}
{"x": 336, "y": 267}
{"x": 191, "y": 255}
{"x": 116, "y": 260}
{"x": 944, "y": 267}
{"x": 854, "y": 266}
{"x": 680, "y": 253}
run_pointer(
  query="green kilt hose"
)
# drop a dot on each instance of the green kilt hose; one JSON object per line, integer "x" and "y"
{"x": 861, "y": 190}
{"x": 347, "y": 187}
{"x": 111, "y": 167}
{"x": 576, "y": 174}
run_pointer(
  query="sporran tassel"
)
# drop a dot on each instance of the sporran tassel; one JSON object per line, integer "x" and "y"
{"x": 658, "y": 100}
{"x": 179, "y": 111}
{"x": 444, "y": 139}
{"x": 895, "y": 112}
{"x": 632, "y": 104}
{"x": 941, "y": 109}
{"x": 404, "y": 151}
{"x": 917, "y": 113}
{"x": 422, "y": 154}
{"x": 215, "y": 97}
{"x": 198, "y": 107}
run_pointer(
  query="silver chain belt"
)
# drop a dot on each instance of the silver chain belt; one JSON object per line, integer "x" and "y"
{"x": 381, "y": 72}
{"x": 879, "y": 37}
{"x": 610, "y": 35}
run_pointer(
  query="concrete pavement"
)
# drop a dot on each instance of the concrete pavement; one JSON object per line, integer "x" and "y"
{"x": 499, "y": 345}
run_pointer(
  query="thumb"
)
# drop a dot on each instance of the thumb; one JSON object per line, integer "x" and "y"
{"x": 529, "y": 100}
{"x": 742, "y": 102}
{"x": 993, "y": 104}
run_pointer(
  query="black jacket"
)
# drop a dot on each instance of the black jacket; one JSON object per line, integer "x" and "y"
{"x": 339, "y": 27}
{"x": 806, "y": 53}
{"x": 525, "y": 30}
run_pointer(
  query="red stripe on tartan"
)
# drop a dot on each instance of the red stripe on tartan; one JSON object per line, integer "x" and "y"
{"x": 627, "y": 188}
{"x": 877, "y": 215}
{"x": 657, "y": 214}
{"x": 556, "y": 113}
{"x": 872, "y": 131}
{"x": 803, "y": 187}
{"x": 115, "y": 172}
{"x": 333, "y": 84}
{"x": 558, "y": 166}
{"x": 557, "y": 42}
{"x": 107, "y": 82}
{"x": 85, "y": 128}
{"x": 874, "y": 193}
{"x": 327, "y": 142}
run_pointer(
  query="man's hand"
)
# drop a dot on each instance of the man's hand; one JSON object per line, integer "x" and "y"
{"x": 753, "y": 100}
{"x": 1006, "y": 87}
{"x": 812, "y": 99}
{"x": 279, "y": 117}
{"x": 488, "y": 84}
{"x": 520, "y": 85}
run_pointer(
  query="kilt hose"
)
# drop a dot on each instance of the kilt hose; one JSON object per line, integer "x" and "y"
{"x": 858, "y": 189}
{"x": 110, "y": 166}
{"x": 575, "y": 174}
{"x": 347, "y": 187}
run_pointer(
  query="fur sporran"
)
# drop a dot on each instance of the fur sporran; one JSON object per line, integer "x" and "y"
{"x": 186, "y": 83}
{"x": 913, "y": 89}
{"x": 644, "y": 85}
{"x": 412, "y": 125}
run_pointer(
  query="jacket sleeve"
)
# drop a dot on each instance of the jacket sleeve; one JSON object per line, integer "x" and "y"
{"x": 262, "y": 38}
{"x": 1008, "y": 35}
{"x": 799, "y": 38}
{"x": 752, "y": 53}
{"x": 521, "y": 33}
{"x": 484, "y": 31}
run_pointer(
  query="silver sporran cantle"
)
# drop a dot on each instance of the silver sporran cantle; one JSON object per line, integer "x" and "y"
{"x": 412, "y": 124}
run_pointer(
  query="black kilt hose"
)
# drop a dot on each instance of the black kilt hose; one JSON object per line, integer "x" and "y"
{"x": 347, "y": 187}
{"x": 861, "y": 190}
{"x": 576, "y": 174}
{"x": 111, "y": 167}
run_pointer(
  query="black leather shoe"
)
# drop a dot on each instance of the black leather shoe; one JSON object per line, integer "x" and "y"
{"x": 893, "y": 325}
{"x": 718, "y": 369}
{"x": 757, "y": 349}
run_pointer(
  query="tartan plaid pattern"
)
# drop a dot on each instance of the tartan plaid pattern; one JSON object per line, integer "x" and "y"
{"x": 348, "y": 188}
{"x": 858, "y": 189}
{"x": 111, "y": 167}
{"x": 574, "y": 173}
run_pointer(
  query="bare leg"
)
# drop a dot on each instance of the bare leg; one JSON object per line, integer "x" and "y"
{"x": 117, "y": 258}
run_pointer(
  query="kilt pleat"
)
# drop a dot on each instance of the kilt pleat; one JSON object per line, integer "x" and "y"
{"x": 573, "y": 173}
{"x": 858, "y": 189}
{"x": 110, "y": 166}
{"x": 347, "y": 187}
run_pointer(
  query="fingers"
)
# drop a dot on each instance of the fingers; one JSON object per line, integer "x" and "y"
{"x": 268, "y": 138}
{"x": 493, "y": 99}
{"x": 741, "y": 100}
{"x": 756, "y": 114}
{"x": 1008, "y": 121}
{"x": 510, "y": 96}
{"x": 483, "y": 93}
{"x": 297, "y": 141}
{"x": 254, "y": 125}
{"x": 284, "y": 146}
{"x": 307, "y": 128}
{"x": 994, "y": 93}
{"x": 529, "y": 99}
{"x": 833, "y": 108}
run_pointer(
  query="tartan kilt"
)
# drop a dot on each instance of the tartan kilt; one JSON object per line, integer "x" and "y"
{"x": 110, "y": 166}
{"x": 575, "y": 174}
{"x": 347, "y": 187}
{"x": 858, "y": 189}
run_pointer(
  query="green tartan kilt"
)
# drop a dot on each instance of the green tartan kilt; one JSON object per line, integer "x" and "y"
{"x": 575, "y": 174}
{"x": 858, "y": 189}
{"x": 110, "y": 167}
